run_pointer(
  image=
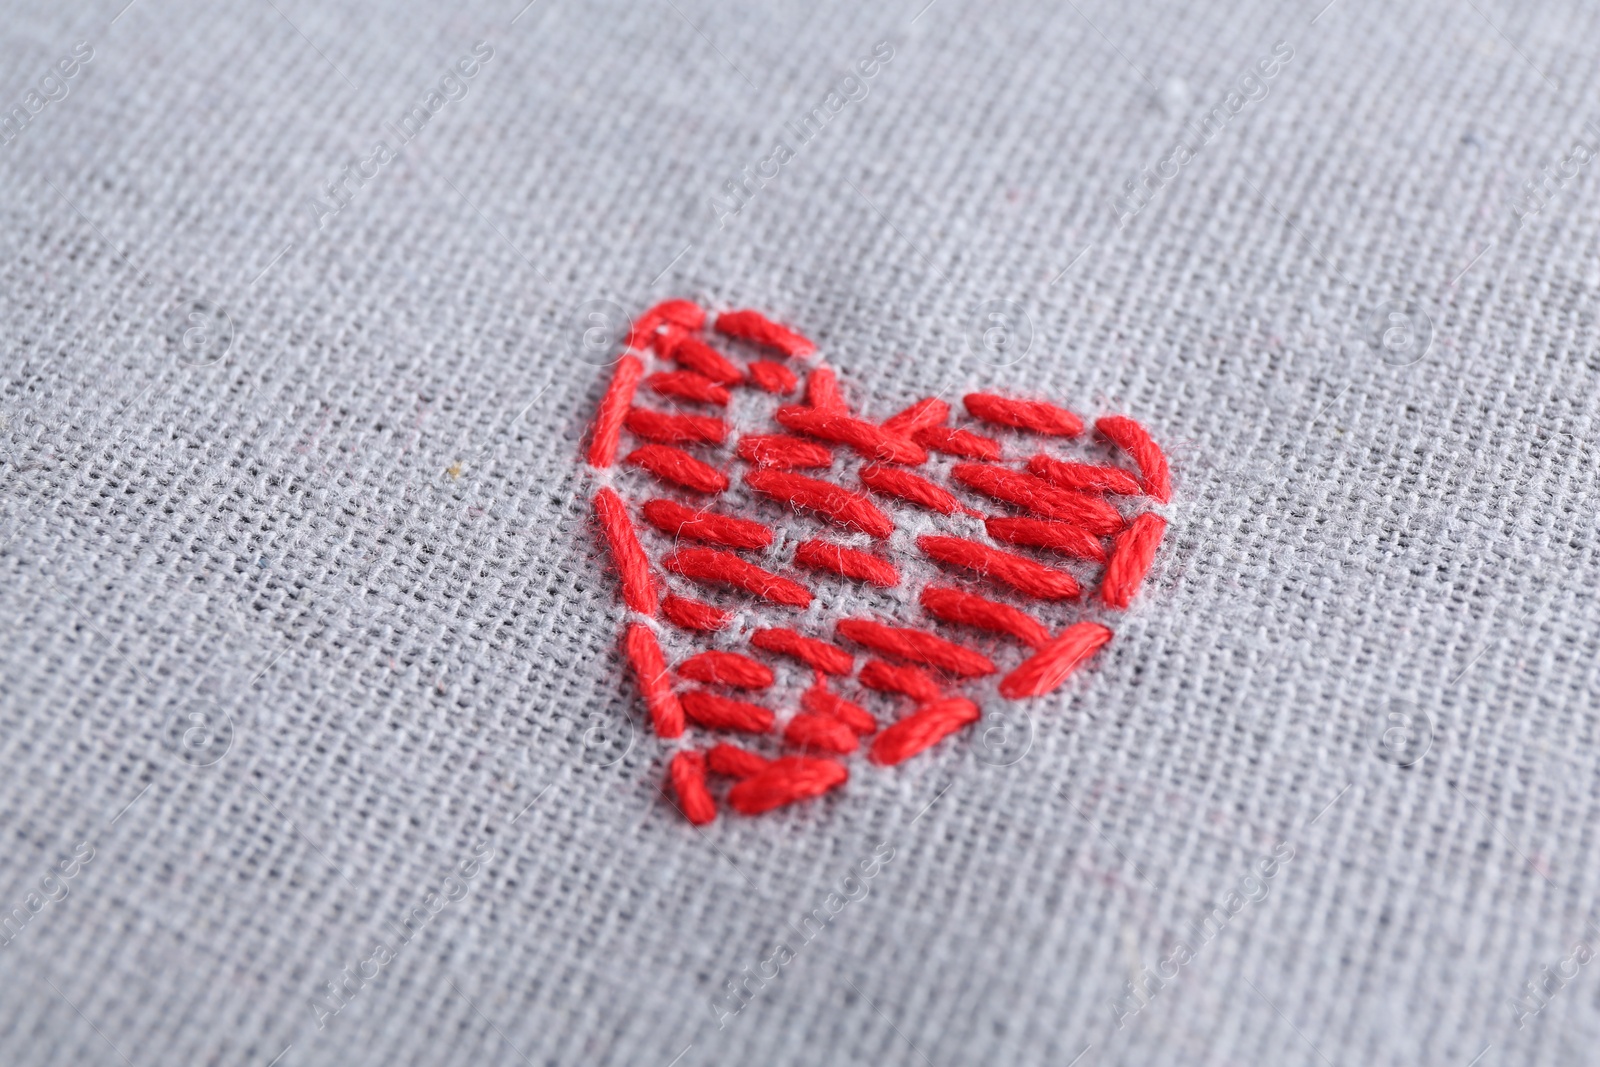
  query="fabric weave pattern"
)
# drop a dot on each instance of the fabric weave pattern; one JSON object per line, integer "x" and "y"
{"x": 315, "y": 727}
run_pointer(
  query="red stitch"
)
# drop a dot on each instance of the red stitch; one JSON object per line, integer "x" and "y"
{"x": 914, "y": 682}
{"x": 694, "y": 354}
{"x": 677, "y": 466}
{"x": 782, "y": 451}
{"x": 688, "y": 775}
{"x": 1135, "y": 440}
{"x": 675, "y": 429}
{"x": 819, "y": 732}
{"x": 693, "y": 614}
{"x": 909, "y": 487}
{"x": 687, "y": 385}
{"x": 1023, "y": 575}
{"x": 822, "y": 391}
{"x": 773, "y": 377}
{"x": 958, "y": 443}
{"x": 953, "y": 605}
{"x": 735, "y": 762}
{"x": 873, "y": 442}
{"x": 613, "y": 408}
{"x": 785, "y": 781}
{"x": 1085, "y": 476}
{"x": 1061, "y": 537}
{"x": 923, "y": 728}
{"x": 922, "y": 415}
{"x": 862, "y": 566}
{"x": 820, "y": 700}
{"x": 684, "y": 314}
{"x": 691, "y": 525}
{"x": 1050, "y": 666}
{"x": 1035, "y": 415}
{"x": 665, "y": 338}
{"x": 724, "y": 713}
{"x": 666, "y": 711}
{"x": 1131, "y": 555}
{"x": 756, "y": 327}
{"x": 714, "y": 566}
{"x": 917, "y": 646}
{"x": 825, "y": 498}
{"x": 1038, "y": 496}
{"x": 726, "y": 668}
{"x": 638, "y": 592}
{"x": 818, "y": 654}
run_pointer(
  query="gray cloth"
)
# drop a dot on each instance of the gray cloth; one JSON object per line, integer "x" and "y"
{"x": 311, "y": 669}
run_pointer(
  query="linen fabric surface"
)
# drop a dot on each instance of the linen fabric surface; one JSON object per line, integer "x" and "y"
{"x": 319, "y": 747}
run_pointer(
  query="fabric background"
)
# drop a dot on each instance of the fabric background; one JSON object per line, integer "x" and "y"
{"x": 341, "y": 531}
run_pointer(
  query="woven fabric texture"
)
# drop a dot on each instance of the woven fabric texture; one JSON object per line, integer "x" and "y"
{"x": 318, "y": 745}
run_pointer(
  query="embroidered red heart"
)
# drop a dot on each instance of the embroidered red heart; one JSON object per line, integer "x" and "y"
{"x": 827, "y": 498}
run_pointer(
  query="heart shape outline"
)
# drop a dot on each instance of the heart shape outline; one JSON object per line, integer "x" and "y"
{"x": 1065, "y": 505}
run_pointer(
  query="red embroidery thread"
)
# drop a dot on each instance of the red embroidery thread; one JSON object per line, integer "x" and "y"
{"x": 923, "y": 728}
{"x": 694, "y": 354}
{"x": 694, "y": 614}
{"x": 684, "y": 314}
{"x": 958, "y": 443}
{"x": 650, "y": 668}
{"x": 910, "y": 488}
{"x": 825, "y": 498}
{"x": 735, "y": 762}
{"x": 783, "y": 452}
{"x": 613, "y": 408}
{"x": 1131, "y": 555}
{"x": 1035, "y": 415}
{"x": 717, "y": 712}
{"x": 687, "y": 385}
{"x": 716, "y": 567}
{"x": 917, "y": 646}
{"x": 1062, "y": 537}
{"x": 820, "y": 700}
{"x": 784, "y": 781}
{"x": 1034, "y": 494}
{"x": 953, "y": 605}
{"x": 1135, "y": 440}
{"x": 675, "y": 429}
{"x": 773, "y": 377}
{"x": 819, "y": 732}
{"x": 677, "y": 466}
{"x": 1023, "y": 575}
{"x": 848, "y": 562}
{"x": 756, "y": 327}
{"x": 1049, "y": 667}
{"x": 887, "y": 678}
{"x": 1083, "y": 476}
{"x": 637, "y": 590}
{"x": 819, "y": 655}
{"x": 872, "y": 442}
{"x": 708, "y": 527}
{"x": 688, "y": 774}
{"x": 726, "y": 668}
{"x": 1067, "y": 512}
{"x": 923, "y": 415}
